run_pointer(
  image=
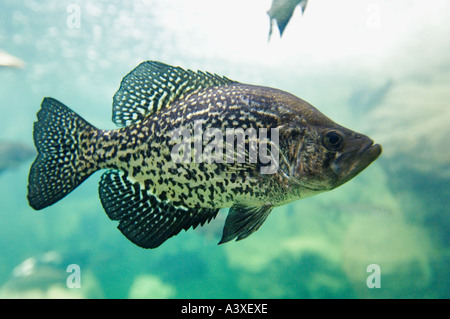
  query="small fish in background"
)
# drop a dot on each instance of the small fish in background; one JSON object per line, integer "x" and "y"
{"x": 33, "y": 277}
{"x": 13, "y": 154}
{"x": 45, "y": 276}
{"x": 281, "y": 11}
{"x": 8, "y": 60}
{"x": 154, "y": 195}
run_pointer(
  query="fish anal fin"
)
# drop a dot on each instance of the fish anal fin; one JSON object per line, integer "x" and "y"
{"x": 143, "y": 218}
{"x": 242, "y": 221}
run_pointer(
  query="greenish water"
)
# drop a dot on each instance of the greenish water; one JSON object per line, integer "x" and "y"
{"x": 377, "y": 67}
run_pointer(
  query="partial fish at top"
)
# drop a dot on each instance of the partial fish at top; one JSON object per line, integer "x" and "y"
{"x": 281, "y": 11}
{"x": 155, "y": 195}
{"x": 8, "y": 60}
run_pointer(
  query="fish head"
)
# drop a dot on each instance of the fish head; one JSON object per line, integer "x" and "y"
{"x": 347, "y": 153}
{"x": 324, "y": 155}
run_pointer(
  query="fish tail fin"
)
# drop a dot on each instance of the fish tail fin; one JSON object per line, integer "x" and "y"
{"x": 64, "y": 144}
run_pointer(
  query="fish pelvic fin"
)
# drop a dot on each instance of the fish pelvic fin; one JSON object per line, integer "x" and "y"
{"x": 64, "y": 160}
{"x": 242, "y": 221}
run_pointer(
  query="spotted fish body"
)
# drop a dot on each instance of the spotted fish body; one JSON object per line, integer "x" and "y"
{"x": 154, "y": 196}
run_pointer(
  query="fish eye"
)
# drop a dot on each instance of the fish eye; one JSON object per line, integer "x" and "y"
{"x": 333, "y": 140}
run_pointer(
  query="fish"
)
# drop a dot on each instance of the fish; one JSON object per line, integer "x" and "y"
{"x": 8, "y": 60}
{"x": 171, "y": 164}
{"x": 12, "y": 154}
{"x": 35, "y": 276}
{"x": 281, "y": 11}
{"x": 48, "y": 275}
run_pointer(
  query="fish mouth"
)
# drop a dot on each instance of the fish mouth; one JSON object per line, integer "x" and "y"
{"x": 357, "y": 161}
{"x": 371, "y": 150}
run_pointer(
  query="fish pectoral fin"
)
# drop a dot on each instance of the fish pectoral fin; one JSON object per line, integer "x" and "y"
{"x": 143, "y": 218}
{"x": 242, "y": 221}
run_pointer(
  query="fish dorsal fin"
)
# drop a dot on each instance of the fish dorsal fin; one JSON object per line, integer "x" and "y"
{"x": 143, "y": 218}
{"x": 242, "y": 221}
{"x": 153, "y": 85}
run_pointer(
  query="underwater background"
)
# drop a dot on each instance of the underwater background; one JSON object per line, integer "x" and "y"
{"x": 379, "y": 67}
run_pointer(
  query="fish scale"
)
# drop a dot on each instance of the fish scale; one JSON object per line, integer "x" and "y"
{"x": 152, "y": 194}
{"x": 158, "y": 164}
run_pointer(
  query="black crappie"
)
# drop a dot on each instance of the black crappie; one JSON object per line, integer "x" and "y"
{"x": 172, "y": 163}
